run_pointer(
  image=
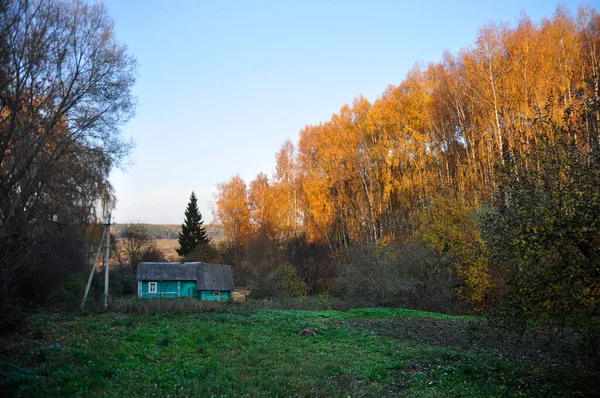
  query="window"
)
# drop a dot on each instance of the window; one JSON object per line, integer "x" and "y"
{"x": 152, "y": 287}
{"x": 216, "y": 293}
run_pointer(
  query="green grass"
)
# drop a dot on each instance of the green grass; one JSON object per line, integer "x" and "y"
{"x": 261, "y": 353}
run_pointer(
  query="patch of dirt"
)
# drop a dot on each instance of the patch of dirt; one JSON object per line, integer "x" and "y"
{"x": 309, "y": 332}
{"x": 476, "y": 336}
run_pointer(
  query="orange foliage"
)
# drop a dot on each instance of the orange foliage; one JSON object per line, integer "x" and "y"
{"x": 365, "y": 175}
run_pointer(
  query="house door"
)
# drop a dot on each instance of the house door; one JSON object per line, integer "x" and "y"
{"x": 190, "y": 292}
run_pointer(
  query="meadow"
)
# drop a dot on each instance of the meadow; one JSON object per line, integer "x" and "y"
{"x": 236, "y": 351}
{"x": 168, "y": 248}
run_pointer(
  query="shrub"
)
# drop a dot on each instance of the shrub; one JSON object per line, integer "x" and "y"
{"x": 122, "y": 281}
{"x": 204, "y": 252}
{"x": 544, "y": 232}
{"x": 13, "y": 320}
{"x": 283, "y": 282}
{"x": 63, "y": 299}
{"x": 153, "y": 254}
{"x": 410, "y": 276}
{"x": 306, "y": 303}
{"x": 451, "y": 227}
{"x": 174, "y": 306}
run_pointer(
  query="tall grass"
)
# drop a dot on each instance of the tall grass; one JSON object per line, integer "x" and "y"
{"x": 178, "y": 306}
{"x": 175, "y": 306}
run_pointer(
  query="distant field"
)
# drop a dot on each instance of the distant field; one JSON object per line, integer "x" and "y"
{"x": 166, "y": 236}
{"x": 171, "y": 231}
{"x": 168, "y": 246}
{"x": 364, "y": 352}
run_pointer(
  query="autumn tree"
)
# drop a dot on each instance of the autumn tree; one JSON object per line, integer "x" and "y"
{"x": 261, "y": 202}
{"x": 288, "y": 206}
{"x": 263, "y": 244}
{"x": 233, "y": 212}
{"x": 65, "y": 90}
{"x": 193, "y": 233}
{"x": 419, "y": 160}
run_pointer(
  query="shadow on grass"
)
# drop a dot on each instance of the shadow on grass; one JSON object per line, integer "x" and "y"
{"x": 478, "y": 336}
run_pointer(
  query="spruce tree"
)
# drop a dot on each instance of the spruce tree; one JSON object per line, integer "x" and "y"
{"x": 192, "y": 232}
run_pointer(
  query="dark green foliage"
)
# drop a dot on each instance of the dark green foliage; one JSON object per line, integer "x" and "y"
{"x": 164, "y": 341}
{"x": 13, "y": 376}
{"x": 192, "y": 232}
{"x": 282, "y": 282}
{"x": 56, "y": 264}
{"x": 122, "y": 281}
{"x": 204, "y": 252}
{"x": 544, "y": 232}
{"x": 13, "y": 320}
{"x": 67, "y": 295}
{"x": 410, "y": 276}
{"x": 314, "y": 263}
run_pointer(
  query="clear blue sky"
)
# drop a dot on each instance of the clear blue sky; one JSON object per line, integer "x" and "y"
{"x": 223, "y": 84}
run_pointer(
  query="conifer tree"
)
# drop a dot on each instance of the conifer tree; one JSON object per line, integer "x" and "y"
{"x": 192, "y": 232}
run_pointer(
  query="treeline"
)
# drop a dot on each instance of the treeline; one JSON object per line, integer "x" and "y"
{"x": 170, "y": 231}
{"x": 158, "y": 231}
{"x": 392, "y": 201}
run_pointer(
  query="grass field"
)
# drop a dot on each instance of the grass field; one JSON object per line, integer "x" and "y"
{"x": 168, "y": 246}
{"x": 366, "y": 352}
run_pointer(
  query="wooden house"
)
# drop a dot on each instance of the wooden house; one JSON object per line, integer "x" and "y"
{"x": 206, "y": 281}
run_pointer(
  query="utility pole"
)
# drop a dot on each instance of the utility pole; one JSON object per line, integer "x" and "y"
{"x": 89, "y": 282}
{"x": 107, "y": 266}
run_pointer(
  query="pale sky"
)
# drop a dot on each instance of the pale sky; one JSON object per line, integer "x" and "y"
{"x": 222, "y": 84}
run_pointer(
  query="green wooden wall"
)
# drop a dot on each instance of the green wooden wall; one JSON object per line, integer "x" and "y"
{"x": 168, "y": 289}
{"x": 209, "y": 295}
{"x": 172, "y": 289}
{"x": 189, "y": 289}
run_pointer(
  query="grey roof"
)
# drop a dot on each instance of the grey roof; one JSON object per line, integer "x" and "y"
{"x": 214, "y": 277}
{"x": 167, "y": 271}
{"x": 207, "y": 276}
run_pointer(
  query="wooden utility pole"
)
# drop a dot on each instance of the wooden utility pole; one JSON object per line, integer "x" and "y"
{"x": 107, "y": 265}
{"x": 89, "y": 282}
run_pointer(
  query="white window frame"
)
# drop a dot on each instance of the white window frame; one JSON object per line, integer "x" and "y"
{"x": 216, "y": 293}
{"x": 152, "y": 287}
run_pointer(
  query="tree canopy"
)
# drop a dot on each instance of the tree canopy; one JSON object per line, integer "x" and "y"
{"x": 507, "y": 127}
{"x": 65, "y": 90}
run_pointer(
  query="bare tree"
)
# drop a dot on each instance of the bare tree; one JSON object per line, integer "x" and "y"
{"x": 136, "y": 240}
{"x": 65, "y": 90}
